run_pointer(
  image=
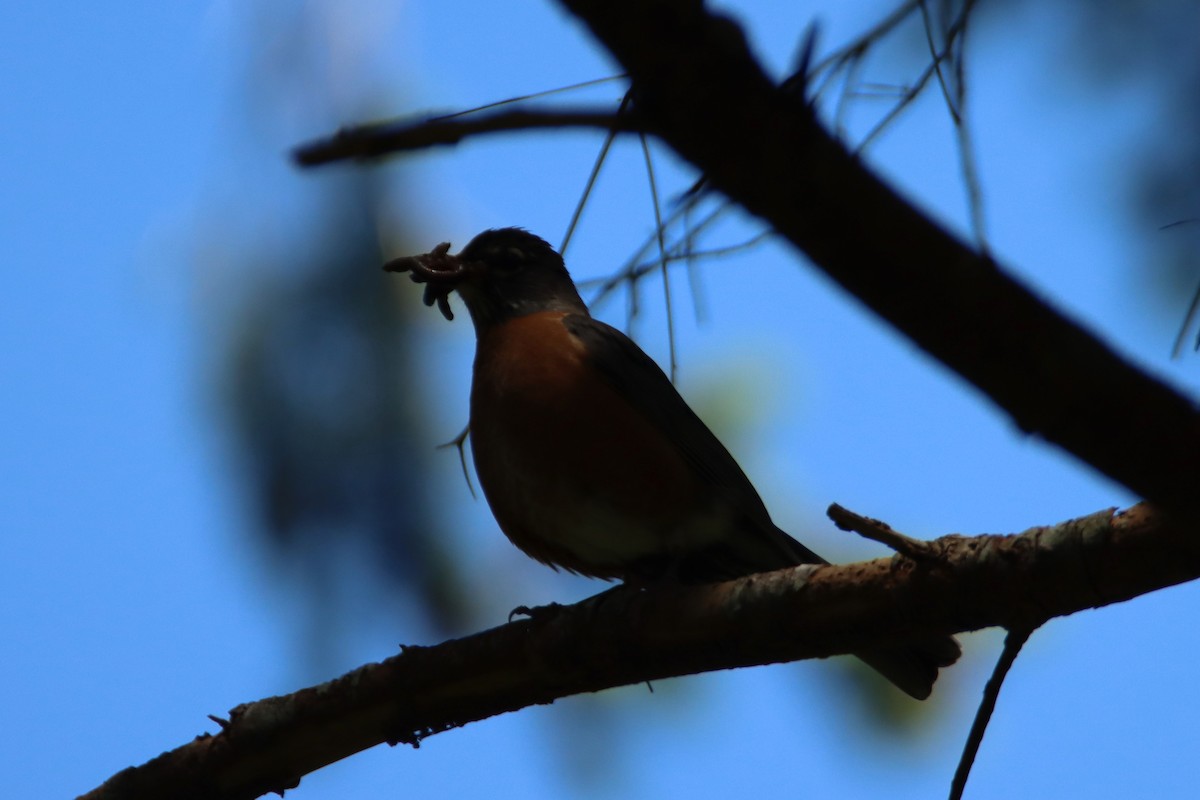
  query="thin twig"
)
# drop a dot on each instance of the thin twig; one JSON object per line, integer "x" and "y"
{"x": 1013, "y": 643}
{"x": 533, "y": 96}
{"x": 838, "y": 58}
{"x": 674, "y": 254}
{"x": 903, "y": 103}
{"x": 630, "y": 270}
{"x": 660, "y": 233}
{"x": 601, "y": 157}
{"x": 1193, "y": 308}
{"x": 934, "y": 68}
{"x": 459, "y": 442}
{"x": 849, "y": 84}
{"x": 875, "y": 90}
{"x": 927, "y": 24}
{"x": 966, "y": 148}
{"x": 881, "y": 532}
{"x": 699, "y": 305}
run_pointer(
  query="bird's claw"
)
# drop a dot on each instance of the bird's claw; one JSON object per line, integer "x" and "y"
{"x": 535, "y": 613}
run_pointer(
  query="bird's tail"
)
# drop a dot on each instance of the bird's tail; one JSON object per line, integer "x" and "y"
{"x": 913, "y": 668}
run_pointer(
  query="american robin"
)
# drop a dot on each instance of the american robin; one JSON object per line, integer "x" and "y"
{"x": 589, "y": 458}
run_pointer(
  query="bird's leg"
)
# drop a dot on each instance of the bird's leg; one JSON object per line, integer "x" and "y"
{"x": 538, "y": 613}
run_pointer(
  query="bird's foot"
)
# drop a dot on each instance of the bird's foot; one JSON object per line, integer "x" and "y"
{"x": 535, "y": 613}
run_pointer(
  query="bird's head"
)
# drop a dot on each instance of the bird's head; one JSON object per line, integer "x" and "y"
{"x": 501, "y": 274}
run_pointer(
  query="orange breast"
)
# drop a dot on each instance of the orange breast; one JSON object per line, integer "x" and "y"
{"x": 575, "y": 476}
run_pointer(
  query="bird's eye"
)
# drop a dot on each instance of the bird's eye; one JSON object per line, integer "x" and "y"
{"x": 508, "y": 260}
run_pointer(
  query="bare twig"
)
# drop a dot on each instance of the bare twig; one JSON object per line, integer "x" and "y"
{"x": 915, "y": 90}
{"x": 633, "y": 267}
{"x": 674, "y": 255}
{"x": 1191, "y": 314}
{"x": 962, "y": 127}
{"x": 699, "y": 306}
{"x": 936, "y": 62}
{"x": 533, "y": 96}
{"x": 850, "y": 83}
{"x": 857, "y": 48}
{"x": 1013, "y": 643}
{"x": 879, "y": 531}
{"x": 459, "y": 443}
{"x": 660, "y": 234}
{"x": 601, "y": 157}
{"x": 1193, "y": 307}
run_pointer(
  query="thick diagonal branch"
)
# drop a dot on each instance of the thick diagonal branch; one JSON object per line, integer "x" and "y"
{"x": 701, "y": 91}
{"x": 627, "y": 637}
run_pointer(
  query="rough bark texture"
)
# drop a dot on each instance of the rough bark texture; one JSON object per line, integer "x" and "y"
{"x": 626, "y": 637}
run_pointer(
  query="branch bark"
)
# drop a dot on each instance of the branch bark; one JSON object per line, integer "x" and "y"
{"x": 626, "y": 637}
{"x": 699, "y": 89}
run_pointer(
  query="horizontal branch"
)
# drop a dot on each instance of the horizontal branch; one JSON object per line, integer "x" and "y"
{"x": 626, "y": 637}
{"x": 702, "y": 92}
{"x": 372, "y": 141}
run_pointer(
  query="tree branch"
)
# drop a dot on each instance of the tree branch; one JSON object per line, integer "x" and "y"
{"x": 627, "y": 637}
{"x": 699, "y": 89}
{"x": 372, "y": 141}
{"x": 1013, "y": 643}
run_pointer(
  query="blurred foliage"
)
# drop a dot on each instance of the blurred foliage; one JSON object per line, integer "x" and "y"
{"x": 315, "y": 377}
{"x": 317, "y": 396}
{"x": 1151, "y": 49}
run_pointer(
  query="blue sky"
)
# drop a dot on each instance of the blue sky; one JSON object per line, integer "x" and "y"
{"x": 131, "y": 606}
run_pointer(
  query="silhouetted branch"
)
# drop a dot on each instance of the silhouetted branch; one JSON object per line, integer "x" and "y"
{"x": 373, "y": 141}
{"x": 627, "y": 636}
{"x": 1013, "y": 643}
{"x": 701, "y": 91}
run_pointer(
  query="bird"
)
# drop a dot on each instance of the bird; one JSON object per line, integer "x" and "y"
{"x": 590, "y": 459}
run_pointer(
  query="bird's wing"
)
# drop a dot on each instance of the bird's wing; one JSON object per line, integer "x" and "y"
{"x": 643, "y": 384}
{"x": 636, "y": 377}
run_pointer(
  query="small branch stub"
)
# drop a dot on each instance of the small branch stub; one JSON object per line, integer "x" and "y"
{"x": 878, "y": 531}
